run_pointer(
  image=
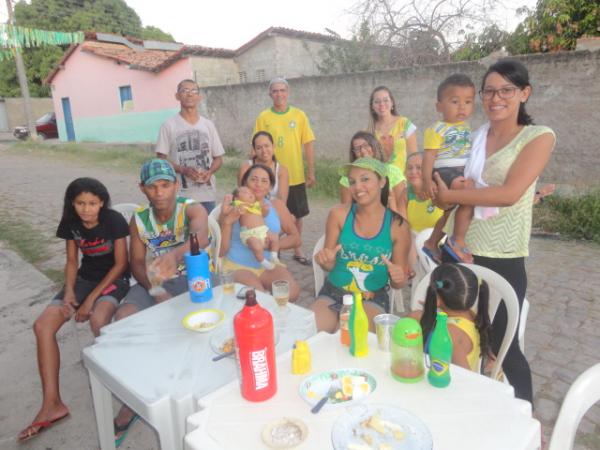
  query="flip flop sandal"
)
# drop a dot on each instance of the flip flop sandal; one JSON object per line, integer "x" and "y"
{"x": 303, "y": 260}
{"x": 450, "y": 245}
{"x": 436, "y": 257}
{"x": 41, "y": 427}
{"x": 123, "y": 429}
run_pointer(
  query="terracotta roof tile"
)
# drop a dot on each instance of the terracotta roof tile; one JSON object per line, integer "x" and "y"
{"x": 151, "y": 60}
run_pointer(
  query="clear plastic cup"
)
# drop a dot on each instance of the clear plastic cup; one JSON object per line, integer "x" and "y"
{"x": 384, "y": 324}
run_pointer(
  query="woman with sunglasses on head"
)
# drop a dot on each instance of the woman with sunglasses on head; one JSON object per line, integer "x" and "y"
{"x": 395, "y": 132}
{"x": 364, "y": 145}
{"x": 513, "y": 153}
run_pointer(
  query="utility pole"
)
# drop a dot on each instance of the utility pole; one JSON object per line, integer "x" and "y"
{"x": 22, "y": 78}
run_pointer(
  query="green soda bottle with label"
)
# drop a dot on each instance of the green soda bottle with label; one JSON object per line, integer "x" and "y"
{"x": 358, "y": 325}
{"x": 440, "y": 352}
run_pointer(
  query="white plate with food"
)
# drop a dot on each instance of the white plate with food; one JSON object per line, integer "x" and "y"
{"x": 380, "y": 427}
{"x": 341, "y": 386}
{"x": 204, "y": 320}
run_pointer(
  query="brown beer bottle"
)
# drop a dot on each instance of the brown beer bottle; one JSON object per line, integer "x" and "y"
{"x": 194, "y": 246}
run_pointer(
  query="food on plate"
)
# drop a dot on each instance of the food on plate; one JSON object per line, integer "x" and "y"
{"x": 228, "y": 345}
{"x": 202, "y": 325}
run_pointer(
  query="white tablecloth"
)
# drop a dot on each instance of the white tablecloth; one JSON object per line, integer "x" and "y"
{"x": 474, "y": 412}
{"x": 159, "y": 368}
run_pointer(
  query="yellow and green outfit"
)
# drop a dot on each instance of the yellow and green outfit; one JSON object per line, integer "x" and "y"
{"x": 290, "y": 130}
{"x": 402, "y": 129}
{"x": 468, "y": 326}
{"x": 421, "y": 214}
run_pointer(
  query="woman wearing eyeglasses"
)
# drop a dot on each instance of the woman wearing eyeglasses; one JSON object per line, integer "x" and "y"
{"x": 395, "y": 133}
{"x": 364, "y": 145}
{"x": 513, "y": 154}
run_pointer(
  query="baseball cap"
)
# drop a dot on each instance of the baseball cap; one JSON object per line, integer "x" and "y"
{"x": 371, "y": 164}
{"x": 157, "y": 169}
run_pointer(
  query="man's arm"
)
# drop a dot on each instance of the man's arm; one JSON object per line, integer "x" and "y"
{"x": 309, "y": 154}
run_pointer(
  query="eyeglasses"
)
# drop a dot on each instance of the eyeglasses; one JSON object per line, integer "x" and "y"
{"x": 504, "y": 93}
{"x": 359, "y": 148}
{"x": 186, "y": 91}
{"x": 381, "y": 101}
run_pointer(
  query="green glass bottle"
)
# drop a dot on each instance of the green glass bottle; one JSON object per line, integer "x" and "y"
{"x": 440, "y": 352}
{"x": 358, "y": 325}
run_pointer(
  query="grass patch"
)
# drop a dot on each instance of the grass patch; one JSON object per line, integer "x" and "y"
{"x": 24, "y": 239}
{"x": 576, "y": 217}
{"x": 57, "y": 276}
{"x": 126, "y": 158}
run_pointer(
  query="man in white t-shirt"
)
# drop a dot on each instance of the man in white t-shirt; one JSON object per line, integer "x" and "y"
{"x": 192, "y": 145}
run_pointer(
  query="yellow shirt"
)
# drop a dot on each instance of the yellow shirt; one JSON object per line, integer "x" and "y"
{"x": 421, "y": 214}
{"x": 402, "y": 129}
{"x": 290, "y": 130}
{"x": 470, "y": 329}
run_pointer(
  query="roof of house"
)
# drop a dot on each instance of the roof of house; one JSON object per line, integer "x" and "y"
{"x": 154, "y": 56}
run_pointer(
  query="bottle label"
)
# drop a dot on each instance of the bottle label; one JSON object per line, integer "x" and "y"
{"x": 439, "y": 367}
{"x": 260, "y": 369}
{"x": 199, "y": 284}
{"x": 344, "y": 321}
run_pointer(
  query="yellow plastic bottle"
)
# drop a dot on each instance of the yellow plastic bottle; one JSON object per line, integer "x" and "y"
{"x": 301, "y": 359}
{"x": 358, "y": 326}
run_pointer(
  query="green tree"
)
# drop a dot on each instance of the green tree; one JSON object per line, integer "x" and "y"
{"x": 480, "y": 45}
{"x": 556, "y": 25}
{"x": 110, "y": 16}
{"x": 150, "y": 33}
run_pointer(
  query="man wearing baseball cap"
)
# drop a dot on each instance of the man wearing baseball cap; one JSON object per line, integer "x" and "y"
{"x": 159, "y": 230}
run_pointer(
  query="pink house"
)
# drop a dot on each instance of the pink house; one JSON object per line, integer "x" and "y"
{"x": 113, "y": 89}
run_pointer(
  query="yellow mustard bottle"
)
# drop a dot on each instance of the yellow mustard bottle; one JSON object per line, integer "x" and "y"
{"x": 301, "y": 359}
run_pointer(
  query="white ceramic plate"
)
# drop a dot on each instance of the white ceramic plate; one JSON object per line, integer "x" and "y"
{"x": 203, "y": 320}
{"x": 377, "y": 426}
{"x": 349, "y": 385}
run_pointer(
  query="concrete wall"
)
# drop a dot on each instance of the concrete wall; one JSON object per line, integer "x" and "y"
{"x": 566, "y": 95}
{"x": 210, "y": 71}
{"x": 262, "y": 56}
{"x": 16, "y": 113}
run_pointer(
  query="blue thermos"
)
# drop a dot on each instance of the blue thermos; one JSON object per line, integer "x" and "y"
{"x": 198, "y": 273}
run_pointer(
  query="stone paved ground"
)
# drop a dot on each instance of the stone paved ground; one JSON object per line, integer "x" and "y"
{"x": 562, "y": 336}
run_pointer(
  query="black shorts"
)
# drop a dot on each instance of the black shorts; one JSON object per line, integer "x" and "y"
{"x": 113, "y": 293}
{"x": 448, "y": 174}
{"x": 381, "y": 297}
{"x": 297, "y": 201}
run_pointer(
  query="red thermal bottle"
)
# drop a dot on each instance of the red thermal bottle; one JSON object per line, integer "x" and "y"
{"x": 255, "y": 348}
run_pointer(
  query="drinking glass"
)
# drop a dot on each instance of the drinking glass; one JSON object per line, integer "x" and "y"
{"x": 281, "y": 293}
{"x": 153, "y": 274}
{"x": 227, "y": 282}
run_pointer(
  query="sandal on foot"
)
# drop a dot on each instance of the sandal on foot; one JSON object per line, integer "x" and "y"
{"x": 123, "y": 429}
{"x": 302, "y": 260}
{"x": 36, "y": 428}
{"x": 436, "y": 257}
{"x": 453, "y": 250}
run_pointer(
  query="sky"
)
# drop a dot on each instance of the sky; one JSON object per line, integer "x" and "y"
{"x": 232, "y": 23}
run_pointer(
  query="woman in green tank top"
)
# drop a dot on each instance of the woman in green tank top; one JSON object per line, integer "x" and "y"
{"x": 366, "y": 246}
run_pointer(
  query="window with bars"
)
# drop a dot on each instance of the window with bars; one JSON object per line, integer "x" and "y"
{"x": 243, "y": 77}
{"x": 260, "y": 75}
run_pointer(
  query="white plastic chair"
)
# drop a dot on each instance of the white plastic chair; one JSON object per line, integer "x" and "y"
{"x": 396, "y": 299}
{"x": 582, "y": 394}
{"x": 126, "y": 210}
{"x": 426, "y": 263}
{"x": 500, "y": 289}
{"x": 215, "y": 242}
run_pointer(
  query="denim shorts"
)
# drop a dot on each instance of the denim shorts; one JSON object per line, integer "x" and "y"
{"x": 380, "y": 297}
{"x": 113, "y": 293}
{"x": 140, "y": 297}
{"x": 448, "y": 174}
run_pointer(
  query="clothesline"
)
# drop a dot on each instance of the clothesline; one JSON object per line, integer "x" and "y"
{"x": 16, "y": 36}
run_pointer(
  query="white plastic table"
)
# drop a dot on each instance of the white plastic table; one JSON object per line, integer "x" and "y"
{"x": 473, "y": 413}
{"x": 159, "y": 368}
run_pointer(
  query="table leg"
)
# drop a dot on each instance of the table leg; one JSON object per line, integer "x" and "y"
{"x": 104, "y": 413}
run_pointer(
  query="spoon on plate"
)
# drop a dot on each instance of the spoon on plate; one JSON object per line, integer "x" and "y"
{"x": 223, "y": 355}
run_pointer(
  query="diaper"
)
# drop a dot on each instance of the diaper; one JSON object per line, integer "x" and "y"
{"x": 257, "y": 232}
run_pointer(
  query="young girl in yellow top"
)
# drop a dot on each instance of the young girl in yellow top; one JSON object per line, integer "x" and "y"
{"x": 395, "y": 133}
{"x": 455, "y": 289}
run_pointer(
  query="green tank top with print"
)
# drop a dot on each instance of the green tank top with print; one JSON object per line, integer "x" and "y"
{"x": 358, "y": 265}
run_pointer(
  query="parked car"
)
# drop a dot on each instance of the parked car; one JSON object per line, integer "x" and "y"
{"x": 45, "y": 127}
